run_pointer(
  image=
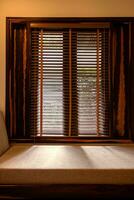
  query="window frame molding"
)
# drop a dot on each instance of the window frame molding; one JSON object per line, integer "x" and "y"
{"x": 31, "y": 21}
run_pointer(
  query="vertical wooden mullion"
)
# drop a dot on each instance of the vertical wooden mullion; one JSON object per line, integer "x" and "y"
{"x": 110, "y": 84}
{"x": 97, "y": 85}
{"x": 116, "y": 76}
{"x": 121, "y": 101}
{"x": 24, "y": 86}
{"x": 41, "y": 85}
{"x": 129, "y": 82}
{"x": 11, "y": 77}
{"x": 70, "y": 81}
{"x": 19, "y": 81}
{"x": 27, "y": 81}
{"x": 14, "y": 82}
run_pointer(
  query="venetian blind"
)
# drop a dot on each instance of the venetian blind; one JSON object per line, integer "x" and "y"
{"x": 91, "y": 72}
{"x": 70, "y": 82}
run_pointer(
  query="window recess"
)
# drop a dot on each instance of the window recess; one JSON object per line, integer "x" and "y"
{"x": 69, "y": 80}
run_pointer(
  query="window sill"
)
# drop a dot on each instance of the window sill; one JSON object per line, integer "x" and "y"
{"x": 68, "y": 164}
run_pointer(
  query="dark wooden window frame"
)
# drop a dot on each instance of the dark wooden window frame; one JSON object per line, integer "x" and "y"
{"x": 14, "y": 119}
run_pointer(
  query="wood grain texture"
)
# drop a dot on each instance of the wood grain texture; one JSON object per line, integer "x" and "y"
{"x": 122, "y": 95}
{"x": 131, "y": 84}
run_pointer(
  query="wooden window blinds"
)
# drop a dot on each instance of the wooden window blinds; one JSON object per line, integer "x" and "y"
{"x": 70, "y": 82}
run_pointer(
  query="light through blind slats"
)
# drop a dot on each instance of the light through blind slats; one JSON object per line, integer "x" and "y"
{"x": 47, "y": 67}
{"x": 92, "y": 82}
{"x": 70, "y": 82}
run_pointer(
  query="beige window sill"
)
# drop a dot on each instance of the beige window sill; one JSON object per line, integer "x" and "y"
{"x": 59, "y": 164}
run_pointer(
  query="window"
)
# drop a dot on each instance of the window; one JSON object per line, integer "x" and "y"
{"x": 71, "y": 69}
{"x": 68, "y": 79}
